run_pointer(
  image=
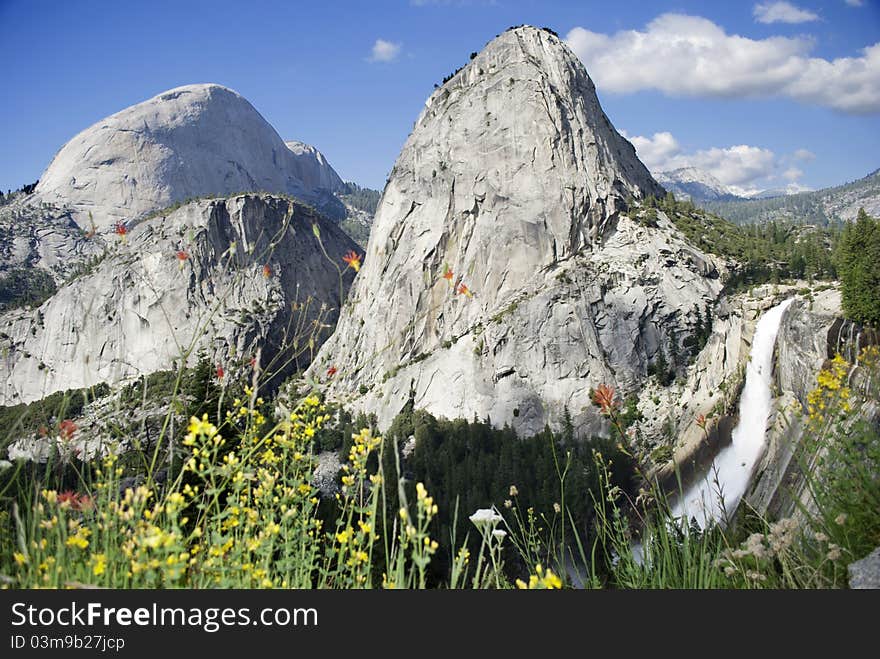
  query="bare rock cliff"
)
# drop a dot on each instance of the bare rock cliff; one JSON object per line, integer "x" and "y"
{"x": 226, "y": 278}
{"x": 508, "y": 270}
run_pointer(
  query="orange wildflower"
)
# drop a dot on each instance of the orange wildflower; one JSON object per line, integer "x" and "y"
{"x": 267, "y": 271}
{"x": 353, "y": 259}
{"x": 701, "y": 421}
{"x": 447, "y": 273}
{"x": 67, "y": 428}
{"x": 464, "y": 290}
{"x": 603, "y": 398}
{"x": 76, "y": 500}
{"x": 121, "y": 230}
{"x": 331, "y": 371}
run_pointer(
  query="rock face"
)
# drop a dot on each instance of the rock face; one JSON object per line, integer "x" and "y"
{"x": 319, "y": 178}
{"x": 515, "y": 185}
{"x": 44, "y": 236}
{"x": 312, "y": 168}
{"x": 218, "y": 276}
{"x": 865, "y": 574}
{"x": 197, "y": 140}
{"x": 803, "y": 343}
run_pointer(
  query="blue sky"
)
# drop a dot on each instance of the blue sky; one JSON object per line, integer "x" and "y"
{"x": 761, "y": 94}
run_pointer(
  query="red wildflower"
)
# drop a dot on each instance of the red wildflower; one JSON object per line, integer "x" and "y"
{"x": 220, "y": 372}
{"x": 181, "y": 255}
{"x": 120, "y": 230}
{"x": 464, "y": 290}
{"x": 331, "y": 371}
{"x": 267, "y": 271}
{"x": 253, "y": 362}
{"x": 354, "y": 260}
{"x": 701, "y": 421}
{"x": 76, "y": 500}
{"x": 447, "y": 273}
{"x": 603, "y": 398}
{"x": 66, "y": 428}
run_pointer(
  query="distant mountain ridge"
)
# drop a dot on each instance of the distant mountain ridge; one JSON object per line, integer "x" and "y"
{"x": 836, "y": 204}
{"x": 691, "y": 183}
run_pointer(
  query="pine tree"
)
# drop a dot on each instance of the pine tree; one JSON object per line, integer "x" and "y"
{"x": 858, "y": 264}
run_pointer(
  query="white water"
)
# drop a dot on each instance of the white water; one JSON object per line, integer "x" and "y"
{"x": 734, "y": 464}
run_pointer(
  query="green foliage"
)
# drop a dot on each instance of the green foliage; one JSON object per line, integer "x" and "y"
{"x": 25, "y": 286}
{"x": 363, "y": 199}
{"x": 86, "y": 267}
{"x": 193, "y": 392}
{"x": 506, "y": 311}
{"x": 358, "y": 232}
{"x": 470, "y": 465}
{"x": 338, "y": 435}
{"x": 848, "y": 493}
{"x": 858, "y": 262}
{"x": 12, "y": 195}
{"x": 767, "y": 252}
{"x": 27, "y": 418}
{"x": 661, "y": 368}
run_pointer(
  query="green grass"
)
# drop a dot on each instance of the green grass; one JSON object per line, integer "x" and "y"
{"x": 239, "y": 508}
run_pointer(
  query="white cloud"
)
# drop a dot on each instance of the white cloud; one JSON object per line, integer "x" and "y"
{"x": 795, "y": 187}
{"x": 655, "y": 151}
{"x": 734, "y": 165}
{"x": 782, "y": 12}
{"x": 684, "y": 55}
{"x": 855, "y": 3}
{"x": 384, "y": 51}
{"x": 740, "y": 166}
{"x": 804, "y": 155}
{"x": 792, "y": 174}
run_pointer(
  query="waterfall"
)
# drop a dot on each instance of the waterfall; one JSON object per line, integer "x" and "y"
{"x": 732, "y": 468}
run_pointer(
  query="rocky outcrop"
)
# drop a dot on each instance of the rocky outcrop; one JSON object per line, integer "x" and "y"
{"x": 42, "y": 236}
{"x": 848, "y": 338}
{"x": 312, "y": 168}
{"x": 865, "y": 573}
{"x": 804, "y": 342}
{"x": 508, "y": 270}
{"x": 233, "y": 278}
{"x": 192, "y": 141}
{"x": 319, "y": 178}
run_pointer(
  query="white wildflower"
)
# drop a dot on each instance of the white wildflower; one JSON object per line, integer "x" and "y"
{"x": 485, "y": 517}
